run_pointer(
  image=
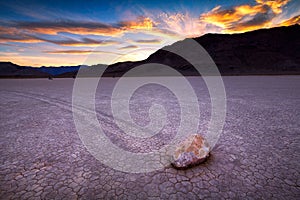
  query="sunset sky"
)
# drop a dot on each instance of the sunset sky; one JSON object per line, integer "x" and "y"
{"x": 55, "y": 33}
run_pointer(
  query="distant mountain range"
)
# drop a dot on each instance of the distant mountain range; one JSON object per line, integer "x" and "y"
{"x": 59, "y": 70}
{"x": 274, "y": 51}
{"x": 11, "y": 70}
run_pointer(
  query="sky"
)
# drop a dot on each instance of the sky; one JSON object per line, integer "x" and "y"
{"x": 57, "y": 33}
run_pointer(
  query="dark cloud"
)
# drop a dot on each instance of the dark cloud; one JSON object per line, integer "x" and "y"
{"x": 79, "y": 52}
{"x": 75, "y": 27}
{"x": 8, "y": 34}
{"x": 258, "y": 20}
{"x": 11, "y": 35}
{"x": 82, "y": 27}
{"x": 82, "y": 42}
{"x": 129, "y": 47}
{"x": 151, "y": 41}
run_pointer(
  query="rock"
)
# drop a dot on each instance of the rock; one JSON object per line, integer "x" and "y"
{"x": 192, "y": 151}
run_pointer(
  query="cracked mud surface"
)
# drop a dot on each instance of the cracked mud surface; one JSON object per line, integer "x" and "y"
{"x": 256, "y": 157}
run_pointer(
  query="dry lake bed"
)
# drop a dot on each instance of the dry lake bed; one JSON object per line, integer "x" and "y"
{"x": 256, "y": 157}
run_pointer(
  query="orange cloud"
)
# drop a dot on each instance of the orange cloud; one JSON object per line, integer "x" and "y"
{"x": 275, "y": 5}
{"x": 224, "y": 18}
{"x": 291, "y": 21}
{"x": 86, "y": 27}
{"x": 141, "y": 23}
{"x": 11, "y": 34}
{"x": 81, "y": 27}
{"x": 245, "y": 17}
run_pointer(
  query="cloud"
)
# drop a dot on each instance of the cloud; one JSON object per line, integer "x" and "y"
{"x": 8, "y": 34}
{"x": 245, "y": 17}
{"x": 176, "y": 25}
{"x": 82, "y": 42}
{"x": 90, "y": 41}
{"x": 18, "y": 38}
{"x": 75, "y": 27}
{"x": 291, "y": 21}
{"x": 129, "y": 47}
{"x": 35, "y": 31}
{"x": 84, "y": 27}
{"x": 150, "y": 41}
{"x": 80, "y": 52}
{"x": 275, "y": 5}
{"x": 141, "y": 23}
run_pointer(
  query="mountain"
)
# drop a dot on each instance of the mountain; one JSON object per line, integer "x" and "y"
{"x": 89, "y": 71}
{"x": 274, "y": 51}
{"x": 265, "y": 51}
{"x": 11, "y": 70}
{"x": 59, "y": 70}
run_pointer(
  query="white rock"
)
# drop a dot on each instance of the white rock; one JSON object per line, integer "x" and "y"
{"x": 192, "y": 151}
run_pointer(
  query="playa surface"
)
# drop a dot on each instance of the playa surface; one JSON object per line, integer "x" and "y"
{"x": 257, "y": 155}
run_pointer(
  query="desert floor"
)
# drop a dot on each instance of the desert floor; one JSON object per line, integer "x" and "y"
{"x": 257, "y": 155}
